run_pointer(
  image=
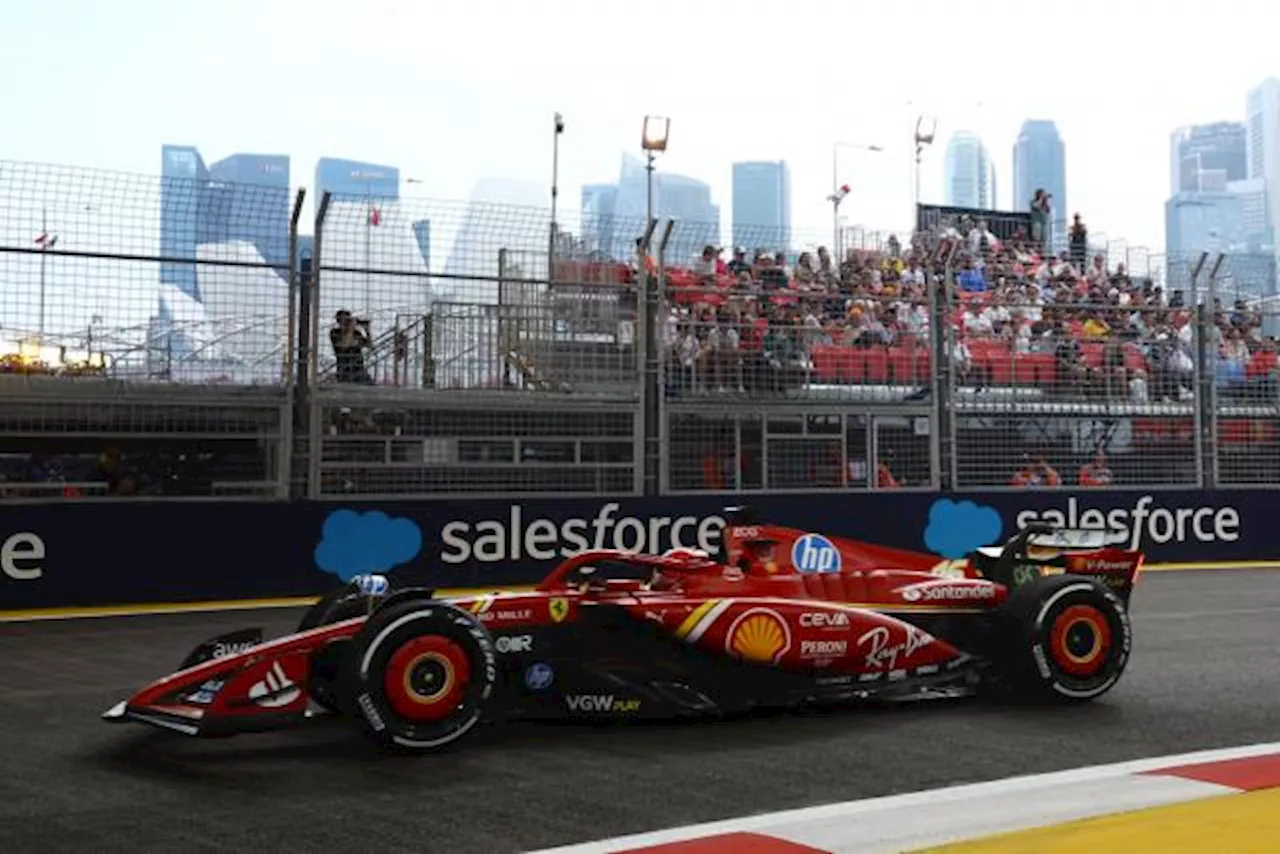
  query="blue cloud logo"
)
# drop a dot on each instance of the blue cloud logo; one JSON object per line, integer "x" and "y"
{"x": 958, "y": 527}
{"x": 354, "y": 543}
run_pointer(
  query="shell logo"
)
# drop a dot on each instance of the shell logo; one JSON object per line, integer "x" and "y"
{"x": 758, "y": 634}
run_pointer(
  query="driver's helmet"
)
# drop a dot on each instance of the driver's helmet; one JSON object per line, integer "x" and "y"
{"x": 758, "y": 556}
{"x": 682, "y": 553}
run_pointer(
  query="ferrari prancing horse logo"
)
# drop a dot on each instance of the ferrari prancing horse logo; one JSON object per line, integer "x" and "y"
{"x": 559, "y": 609}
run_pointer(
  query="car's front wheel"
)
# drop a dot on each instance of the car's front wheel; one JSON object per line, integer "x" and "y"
{"x": 424, "y": 674}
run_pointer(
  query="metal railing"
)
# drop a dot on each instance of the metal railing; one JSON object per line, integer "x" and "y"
{"x": 615, "y": 359}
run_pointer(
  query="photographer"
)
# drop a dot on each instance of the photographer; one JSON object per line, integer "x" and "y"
{"x": 350, "y": 338}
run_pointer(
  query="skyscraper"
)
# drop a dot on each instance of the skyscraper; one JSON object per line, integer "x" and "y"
{"x": 762, "y": 204}
{"x": 615, "y": 214}
{"x": 1263, "y": 143}
{"x": 969, "y": 177}
{"x": 599, "y": 203}
{"x": 243, "y": 198}
{"x": 1204, "y": 158}
{"x": 355, "y": 179}
{"x": 1040, "y": 163}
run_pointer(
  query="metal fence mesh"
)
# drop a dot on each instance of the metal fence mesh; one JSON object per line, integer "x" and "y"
{"x": 475, "y": 348}
{"x": 142, "y": 278}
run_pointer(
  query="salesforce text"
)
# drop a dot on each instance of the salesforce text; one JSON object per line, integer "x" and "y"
{"x": 21, "y": 556}
{"x": 542, "y": 539}
{"x": 1128, "y": 528}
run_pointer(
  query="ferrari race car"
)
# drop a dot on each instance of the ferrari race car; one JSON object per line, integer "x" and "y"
{"x": 779, "y": 617}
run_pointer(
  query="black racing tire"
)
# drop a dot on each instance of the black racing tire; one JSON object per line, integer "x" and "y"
{"x": 1069, "y": 640}
{"x": 424, "y": 675}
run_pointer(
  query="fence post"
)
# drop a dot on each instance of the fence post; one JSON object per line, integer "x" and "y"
{"x": 1200, "y": 370}
{"x": 284, "y": 465}
{"x": 1207, "y": 396}
{"x": 943, "y": 345}
{"x": 314, "y": 422}
{"x": 652, "y": 385}
{"x": 643, "y": 324}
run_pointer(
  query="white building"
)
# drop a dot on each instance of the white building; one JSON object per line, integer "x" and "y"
{"x": 969, "y": 174}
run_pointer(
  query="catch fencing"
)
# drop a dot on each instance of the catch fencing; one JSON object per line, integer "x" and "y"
{"x": 189, "y": 337}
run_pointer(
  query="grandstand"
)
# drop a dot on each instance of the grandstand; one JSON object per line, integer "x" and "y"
{"x": 956, "y": 355}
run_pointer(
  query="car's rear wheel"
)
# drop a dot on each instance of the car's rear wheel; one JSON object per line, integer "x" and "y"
{"x": 425, "y": 672}
{"x": 1070, "y": 639}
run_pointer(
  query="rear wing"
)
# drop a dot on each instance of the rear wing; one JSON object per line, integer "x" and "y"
{"x": 1041, "y": 549}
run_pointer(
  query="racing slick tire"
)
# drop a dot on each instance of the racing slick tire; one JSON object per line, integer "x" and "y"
{"x": 424, "y": 674}
{"x": 1070, "y": 639}
{"x": 330, "y": 665}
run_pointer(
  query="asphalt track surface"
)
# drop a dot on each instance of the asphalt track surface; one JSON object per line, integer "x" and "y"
{"x": 1204, "y": 674}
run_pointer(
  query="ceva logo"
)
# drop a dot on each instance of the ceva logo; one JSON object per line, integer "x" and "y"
{"x": 354, "y": 543}
{"x": 815, "y": 553}
{"x": 956, "y": 528}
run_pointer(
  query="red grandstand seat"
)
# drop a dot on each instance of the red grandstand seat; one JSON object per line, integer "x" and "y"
{"x": 826, "y": 366}
{"x": 877, "y": 362}
{"x": 1133, "y": 358}
{"x": 853, "y": 365}
{"x": 909, "y": 364}
{"x": 1045, "y": 366}
{"x": 993, "y": 357}
{"x": 902, "y": 365}
{"x": 1024, "y": 370}
{"x": 1262, "y": 364}
{"x": 1091, "y": 351}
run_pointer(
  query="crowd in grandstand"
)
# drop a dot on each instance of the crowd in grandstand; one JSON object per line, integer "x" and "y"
{"x": 1064, "y": 323}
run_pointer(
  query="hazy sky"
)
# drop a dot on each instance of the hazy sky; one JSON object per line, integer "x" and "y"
{"x": 455, "y": 92}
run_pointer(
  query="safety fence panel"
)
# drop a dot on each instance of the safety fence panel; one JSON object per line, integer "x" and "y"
{"x": 371, "y": 446}
{"x": 144, "y": 279}
{"x": 861, "y": 335}
{"x": 1244, "y": 386}
{"x": 174, "y": 443}
{"x": 775, "y": 449}
{"x": 1056, "y": 390}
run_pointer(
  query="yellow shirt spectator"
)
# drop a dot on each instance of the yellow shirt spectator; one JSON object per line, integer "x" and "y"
{"x": 1095, "y": 328}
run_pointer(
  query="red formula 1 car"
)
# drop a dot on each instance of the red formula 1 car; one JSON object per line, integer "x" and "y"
{"x": 782, "y": 617}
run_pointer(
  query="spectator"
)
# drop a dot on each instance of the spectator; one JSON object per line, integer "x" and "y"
{"x": 971, "y": 278}
{"x": 709, "y": 263}
{"x": 885, "y": 478}
{"x": 1079, "y": 242}
{"x": 739, "y": 264}
{"x": 1041, "y": 220}
{"x": 350, "y": 339}
{"x": 1096, "y": 473}
{"x": 1036, "y": 471}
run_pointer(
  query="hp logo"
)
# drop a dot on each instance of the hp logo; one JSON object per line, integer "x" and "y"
{"x": 539, "y": 676}
{"x": 815, "y": 553}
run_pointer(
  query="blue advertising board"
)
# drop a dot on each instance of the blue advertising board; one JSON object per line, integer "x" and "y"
{"x": 102, "y": 554}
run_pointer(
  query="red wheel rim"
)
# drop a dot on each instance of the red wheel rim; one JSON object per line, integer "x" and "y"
{"x": 1080, "y": 640}
{"x": 424, "y": 679}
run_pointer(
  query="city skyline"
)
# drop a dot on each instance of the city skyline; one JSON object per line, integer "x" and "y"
{"x": 1214, "y": 205}
{"x": 613, "y": 214}
{"x": 493, "y": 120}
